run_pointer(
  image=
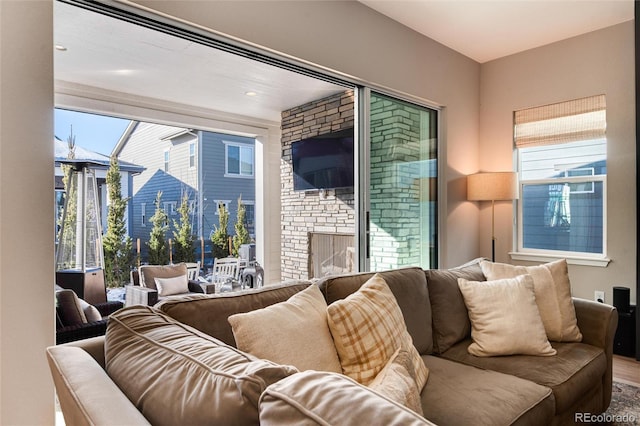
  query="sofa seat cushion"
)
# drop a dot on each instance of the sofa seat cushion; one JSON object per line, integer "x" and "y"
{"x": 458, "y": 394}
{"x": 408, "y": 285}
{"x": 149, "y": 273}
{"x": 209, "y": 313}
{"x": 571, "y": 374}
{"x": 323, "y": 398}
{"x": 176, "y": 375}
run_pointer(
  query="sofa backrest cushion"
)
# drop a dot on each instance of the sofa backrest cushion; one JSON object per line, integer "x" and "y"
{"x": 176, "y": 375}
{"x": 408, "y": 285}
{"x": 209, "y": 313}
{"x": 148, "y": 273}
{"x": 450, "y": 317}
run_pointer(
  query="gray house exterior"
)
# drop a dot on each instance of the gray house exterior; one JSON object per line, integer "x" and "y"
{"x": 211, "y": 168}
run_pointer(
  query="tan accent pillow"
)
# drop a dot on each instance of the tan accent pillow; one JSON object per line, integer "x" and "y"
{"x": 553, "y": 295}
{"x": 504, "y": 317}
{"x": 367, "y": 328}
{"x": 397, "y": 381}
{"x": 148, "y": 273}
{"x": 176, "y": 375}
{"x": 170, "y": 286}
{"x": 293, "y": 332}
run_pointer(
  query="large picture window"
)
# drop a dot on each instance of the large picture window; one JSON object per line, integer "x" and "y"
{"x": 562, "y": 153}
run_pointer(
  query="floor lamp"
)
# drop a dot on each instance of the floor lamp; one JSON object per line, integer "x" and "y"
{"x": 492, "y": 186}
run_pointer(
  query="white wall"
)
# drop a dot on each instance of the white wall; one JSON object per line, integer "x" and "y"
{"x": 26, "y": 207}
{"x": 601, "y": 62}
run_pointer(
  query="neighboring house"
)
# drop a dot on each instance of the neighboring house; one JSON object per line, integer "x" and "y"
{"x": 212, "y": 168}
{"x": 101, "y": 166}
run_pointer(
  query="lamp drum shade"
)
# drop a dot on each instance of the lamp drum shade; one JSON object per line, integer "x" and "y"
{"x": 492, "y": 186}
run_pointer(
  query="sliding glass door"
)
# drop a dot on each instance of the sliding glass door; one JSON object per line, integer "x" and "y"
{"x": 398, "y": 184}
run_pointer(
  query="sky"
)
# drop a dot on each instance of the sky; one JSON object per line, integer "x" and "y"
{"x": 96, "y": 133}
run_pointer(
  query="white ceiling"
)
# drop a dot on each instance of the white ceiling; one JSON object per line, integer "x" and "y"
{"x": 124, "y": 58}
{"x": 117, "y": 56}
{"x": 489, "y": 29}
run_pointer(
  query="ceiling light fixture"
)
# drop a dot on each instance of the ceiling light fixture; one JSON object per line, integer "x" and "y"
{"x": 250, "y": 93}
{"x": 60, "y": 47}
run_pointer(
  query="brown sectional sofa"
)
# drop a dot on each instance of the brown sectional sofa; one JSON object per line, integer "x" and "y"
{"x": 461, "y": 388}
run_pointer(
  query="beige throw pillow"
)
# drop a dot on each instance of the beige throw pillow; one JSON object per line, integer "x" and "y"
{"x": 170, "y": 286}
{"x": 397, "y": 381}
{"x": 367, "y": 328}
{"x": 294, "y": 332}
{"x": 553, "y": 295}
{"x": 504, "y": 317}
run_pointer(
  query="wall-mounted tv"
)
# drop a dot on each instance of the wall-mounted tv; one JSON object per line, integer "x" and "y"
{"x": 323, "y": 162}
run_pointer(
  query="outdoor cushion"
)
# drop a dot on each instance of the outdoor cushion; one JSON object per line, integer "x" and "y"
{"x": 504, "y": 317}
{"x": 408, "y": 285}
{"x": 148, "y": 273}
{"x": 209, "y": 312}
{"x": 294, "y": 332}
{"x": 323, "y": 398}
{"x": 450, "y": 318}
{"x": 176, "y": 375}
{"x": 367, "y": 328}
{"x": 171, "y": 286}
{"x": 553, "y": 295}
{"x": 69, "y": 308}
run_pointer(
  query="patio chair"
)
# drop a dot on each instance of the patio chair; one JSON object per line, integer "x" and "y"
{"x": 193, "y": 270}
{"x": 226, "y": 272}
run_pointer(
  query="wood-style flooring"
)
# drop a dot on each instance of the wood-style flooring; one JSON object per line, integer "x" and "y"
{"x": 626, "y": 370}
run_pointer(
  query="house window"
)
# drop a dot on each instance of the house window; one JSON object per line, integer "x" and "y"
{"x": 192, "y": 206}
{"x": 192, "y": 155}
{"x": 143, "y": 214}
{"x": 249, "y": 209}
{"x": 166, "y": 161}
{"x": 239, "y": 160}
{"x": 170, "y": 208}
{"x": 562, "y": 164}
{"x": 220, "y": 204}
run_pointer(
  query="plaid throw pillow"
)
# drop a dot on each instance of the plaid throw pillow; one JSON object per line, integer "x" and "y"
{"x": 367, "y": 328}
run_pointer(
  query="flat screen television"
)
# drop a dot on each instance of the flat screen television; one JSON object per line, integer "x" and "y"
{"x": 323, "y": 162}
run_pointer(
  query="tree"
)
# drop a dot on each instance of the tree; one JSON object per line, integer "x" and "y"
{"x": 182, "y": 234}
{"x": 118, "y": 256}
{"x": 220, "y": 237}
{"x": 242, "y": 235}
{"x": 157, "y": 244}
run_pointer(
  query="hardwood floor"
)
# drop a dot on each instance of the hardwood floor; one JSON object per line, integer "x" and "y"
{"x": 626, "y": 370}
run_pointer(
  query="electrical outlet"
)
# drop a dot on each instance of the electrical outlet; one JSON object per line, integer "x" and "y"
{"x": 599, "y": 296}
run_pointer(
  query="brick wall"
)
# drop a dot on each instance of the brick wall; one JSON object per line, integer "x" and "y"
{"x": 304, "y": 212}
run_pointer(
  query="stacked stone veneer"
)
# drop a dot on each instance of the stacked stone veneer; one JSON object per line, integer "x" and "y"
{"x": 307, "y": 212}
{"x": 401, "y": 139}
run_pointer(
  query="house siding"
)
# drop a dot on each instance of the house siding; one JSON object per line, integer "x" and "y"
{"x": 147, "y": 145}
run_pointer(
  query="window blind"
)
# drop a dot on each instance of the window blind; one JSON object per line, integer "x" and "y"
{"x": 576, "y": 120}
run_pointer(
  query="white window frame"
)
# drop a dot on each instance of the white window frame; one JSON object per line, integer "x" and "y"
{"x": 143, "y": 214}
{"x": 192, "y": 155}
{"x": 218, "y": 202}
{"x": 239, "y": 145}
{"x": 251, "y": 203}
{"x": 170, "y": 208}
{"x": 166, "y": 159}
{"x": 542, "y": 255}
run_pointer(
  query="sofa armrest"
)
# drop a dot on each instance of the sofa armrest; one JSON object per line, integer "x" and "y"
{"x": 597, "y": 323}
{"x": 86, "y": 393}
{"x": 107, "y": 308}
